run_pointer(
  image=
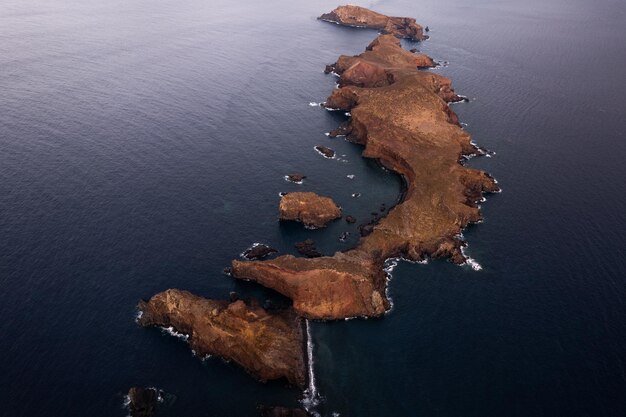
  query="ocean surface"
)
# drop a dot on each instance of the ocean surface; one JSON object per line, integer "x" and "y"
{"x": 143, "y": 146}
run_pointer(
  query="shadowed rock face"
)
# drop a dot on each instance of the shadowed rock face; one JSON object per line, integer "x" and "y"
{"x": 142, "y": 401}
{"x": 309, "y": 208}
{"x": 268, "y": 345}
{"x": 401, "y": 116}
{"x": 401, "y": 27}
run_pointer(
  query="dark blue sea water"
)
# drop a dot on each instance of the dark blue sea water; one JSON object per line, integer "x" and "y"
{"x": 143, "y": 146}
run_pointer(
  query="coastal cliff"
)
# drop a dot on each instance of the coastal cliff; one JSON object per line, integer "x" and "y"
{"x": 401, "y": 115}
{"x": 401, "y": 27}
{"x": 269, "y": 345}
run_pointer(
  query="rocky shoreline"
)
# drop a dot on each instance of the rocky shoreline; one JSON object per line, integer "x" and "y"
{"x": 401, "y": 115}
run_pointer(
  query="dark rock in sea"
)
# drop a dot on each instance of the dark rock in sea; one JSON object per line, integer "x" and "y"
{"x": 374, "y": 213}
{"x": 297, "y": 178}
{"x": 265, "y": 411}
{"x": 227, "y": 271}
{"x": 356, "y": 195}
{"x": 233, "y": 296}
{"x": 426, "y": 29}
{"x": 327, "y": 152}
{"x": 258, "y": 251}
{"x": 350, "y": 219}
{"x": 344, "y": 236}
{"x": 307, "y": 248}
{"x": 143, "y": 401}
{"x": 413, "y": 50}
{"x": 383, "y": 207}
{"x": 343, "y": 130}
{"x": 329, "y": 69}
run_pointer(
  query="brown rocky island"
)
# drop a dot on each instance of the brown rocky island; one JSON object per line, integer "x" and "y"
{"x": 268, "y": 345}
{"x": 402, "y": 27}
{"x": 401, "y": 115}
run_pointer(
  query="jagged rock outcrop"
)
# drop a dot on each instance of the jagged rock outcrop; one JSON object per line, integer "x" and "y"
{"x": 268, "y": 345}
{"x": 309, "y": 208}
{"x": 258, "y": 251}
{"x": 143, "y": 402}
{"x": 401, "y": 27}
{"x": 401, "y": 116}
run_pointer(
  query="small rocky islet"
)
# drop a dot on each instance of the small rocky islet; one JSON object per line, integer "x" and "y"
{"x": 401, "y": 116}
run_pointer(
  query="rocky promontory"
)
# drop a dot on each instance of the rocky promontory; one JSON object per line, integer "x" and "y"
{"x": 309, "y": 208}
{"x": 401, "y": 27}
{"x": 268, "y": 345}
{"x": 402, "y": 117}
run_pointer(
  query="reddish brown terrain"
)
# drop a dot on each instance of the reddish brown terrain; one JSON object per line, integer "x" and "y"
{"x": 401, "y": 116}
{"x": 401, "y": 27}
{"x": 268, "y": 345}
{"x": 309, "y": 208}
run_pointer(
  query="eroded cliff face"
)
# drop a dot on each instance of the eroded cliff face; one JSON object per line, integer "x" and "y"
{"x": 269, "y": 345}
{"x": 401, "y": 27}
{"x": 401, "y": 116}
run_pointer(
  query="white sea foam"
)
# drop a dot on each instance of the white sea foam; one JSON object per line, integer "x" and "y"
{"x": 311, "y": 397}
{"x": 351, "y": 176}
{"x": 138, "y": 316}
{"x": 314, "y": 104}
{"x": 170, "y": 330}
{"x": 327, "y": 133}
{"x": 348, "y": 114}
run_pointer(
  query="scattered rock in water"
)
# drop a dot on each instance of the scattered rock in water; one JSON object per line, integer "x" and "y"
{"x": 313, "y": 210}
{"x": 143, "y": 401}
{"x": 350, "y": 219}
{"x": 413, "y": 50}
{"x": 383, "y": 208}
{"x": 228, "y": 271}
{"x": 356, "y": 195}
{"x": 308, "y": 249}
{"x": 344, "y": 236}
{"x": 258, "y": 251}
{"x": 329, "y": 69}
{"x": 326, "y": 152}
{"x": 295, "y": 178}
{"x": 233, "y": 296}
{"x": 426, "y": 29}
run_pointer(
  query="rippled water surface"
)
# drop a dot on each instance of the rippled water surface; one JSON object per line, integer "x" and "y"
{"x": 143, "y": 146}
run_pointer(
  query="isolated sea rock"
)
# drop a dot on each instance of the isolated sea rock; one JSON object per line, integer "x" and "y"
{"x": 309, "y": 208}
{"x": 258, "y": 251}
{"x": 142, "y": 402}
{"x": 307, "y": 248}
{"x": 401, "y": 27}
{"x": 296, "y": 178}
{"x": 327, "y": 152}
{"x": 268, "y": 345}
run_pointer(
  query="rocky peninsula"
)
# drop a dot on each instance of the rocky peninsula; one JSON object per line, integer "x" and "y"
{"x": 269, "y": 345}
{"x": 401, "y": 116}
{"x": 356, "y": 16}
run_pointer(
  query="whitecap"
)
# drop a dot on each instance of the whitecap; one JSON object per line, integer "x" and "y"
{"x": 350, "y": 176}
